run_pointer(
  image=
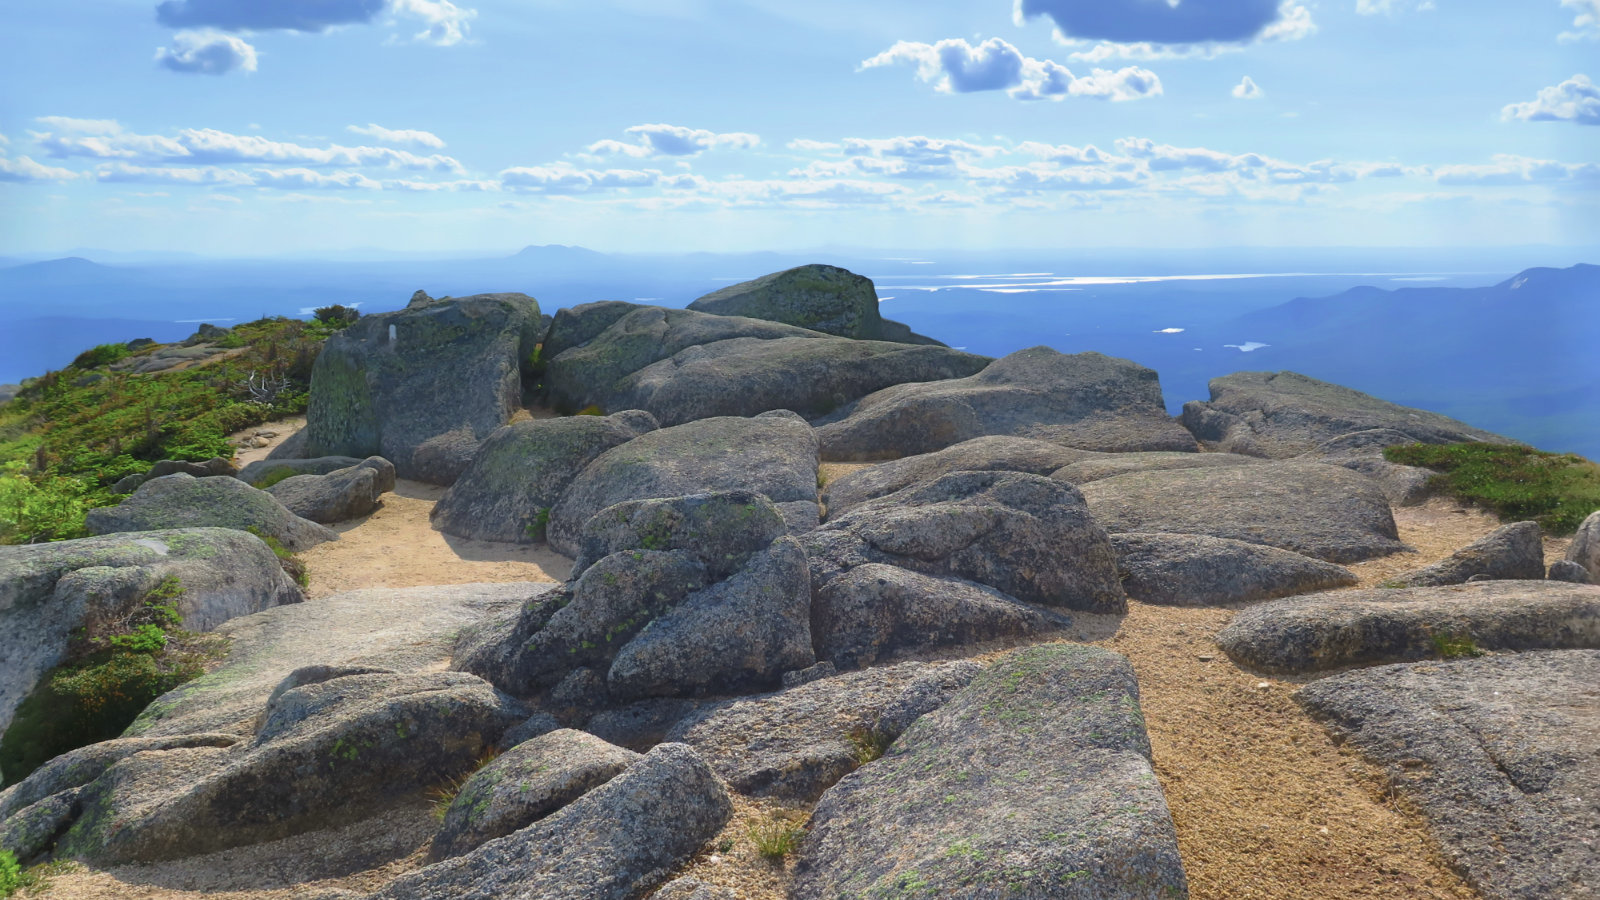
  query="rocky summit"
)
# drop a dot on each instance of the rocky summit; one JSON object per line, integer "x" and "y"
{"x": 771, "y": 598}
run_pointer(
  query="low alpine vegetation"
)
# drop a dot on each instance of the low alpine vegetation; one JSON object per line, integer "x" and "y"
{"x": 1557, "y": 490}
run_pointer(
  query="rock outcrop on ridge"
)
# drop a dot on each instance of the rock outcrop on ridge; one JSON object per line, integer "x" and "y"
{"x": 822, "y": 298}
{"x": 392, "y": 382}
{"x": 1085, "y": 400}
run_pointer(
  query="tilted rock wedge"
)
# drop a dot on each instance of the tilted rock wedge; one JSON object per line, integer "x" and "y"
{"x": 1033, "y": 781}
{"x": 995, "y": 453}
{"x": 183, "y": 501}
{"x": 1196, "y": 570}
{"x": 1510, "y": 552}
{"x": 1383, "y": 625}
{"x": 1501, "y": 755}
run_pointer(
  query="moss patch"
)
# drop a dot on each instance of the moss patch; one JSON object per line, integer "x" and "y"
{"x": 1557, "y": 490}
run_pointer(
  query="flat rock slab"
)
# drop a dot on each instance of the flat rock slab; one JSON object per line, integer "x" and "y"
{"x": 1033, "y": 781}
{"x": 1501, "y": 755}
{"x": 405, "y": 629}
{"x": 1383, "y": 625}
{"x": 184, "y": 501}
{"x": 1321, "y": 511}
{"x": 1098, "y": 468}
{"x": 1284, "y": 414}
{"x": 992, "y": 453}
{"x": 1196, "y": 570}
{"x": 798, "y": 742}
{"x": 1083, "y": 400}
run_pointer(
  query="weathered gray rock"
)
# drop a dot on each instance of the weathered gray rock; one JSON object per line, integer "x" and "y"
{"x": 1284, "y": 414}
{"x": 583, "y": 372}
{"x": 773, "y": 455}
{"x": 1501, "y": 755}
{"x": 641, "y": 724}
{"x": 48, "y": 590}
{"x": 209, "y": 469}
{"x": 1514, "y": 551}
{"x": 1568, "y": 571}
{"x": 735, "y": 635}
{"x": 616, "y": 842}
{"x": 822, "y": 298}
{"x": 31, "y": 831}
{"x": 540, "y": 723}
{"x": 1322, "y": 511}
{"x": 692, "y": 889}
{"x": 1362, "y": 451}
{"x": 8, "y": 392}
{"x": 1023, "y": 535}
{"x": 1383, "y": 625}
{"x": 1033, "y": 781}
{"x": 392, "y": 382}
{"x": 873, "y": 612}
{"x": 994, "y": 453}
{"x": 1195, "y": 570}
{"x": 1099, "y": 468}
{"x": 443, "y": 458}
{"x": 795, "y": 744}
{"x": 1585, "y": 547}
{"x": 292, "y": 447}
{"x": 720, "y": 530}
{"x": 261, "y": 470}
{"x": 183, "y": 501}
{"x": 745, "y": 376}
{"x": 340, "y": 495}
{"x": 525, "y": 784}
{"x": 1085, "y": 400}
{"x": 328, "y": 753}
{"x": 575, "y": 326}
{"x": 515, "y": 479}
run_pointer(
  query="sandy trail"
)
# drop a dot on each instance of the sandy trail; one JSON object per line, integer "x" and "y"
{"x": 1265, "y": 804}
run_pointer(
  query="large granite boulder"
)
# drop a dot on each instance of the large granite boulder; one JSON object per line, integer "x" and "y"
{"x": 993, "y": 453}
{"x": 1282, "y": 414}
{"x": 795, "y": 744}
{"x": 1384, "y": 625}
{"x": 873, "y": 612}
{"x": 1511, "y": 552}
{"x": 263, "y": 470}
{"x": 1362, "y": 451}
{"x": 516, "y": 478}
{"x": 773, "y": 454}
{"x": 1322, "y": 511}
{"x": 183, "y": 501}
{"x": 525, "y": 784}
{"x": 1501, "y": 755}
{"x": 822, "y": 298}
{"x": 326, "y": 753}
{"x": 211, "y": 468}
{"x": 1585, "y": 547}
{"x": 1110, "y": 465}
{"x": 1023, "y": 535}
{"x": 1032, "y": 781}
{"x": 1085, "y": 400}
{"x": 745, "y": 376}
{"x": 584, "y": 369}
{"x": 49, "y": 590}
{"x": 671, "y": 597}
{"x": 340, "y": 495}
{"x": 391, "y": 382}
{"x": 1196, "y": 570}
{"x": 616, "y": 842}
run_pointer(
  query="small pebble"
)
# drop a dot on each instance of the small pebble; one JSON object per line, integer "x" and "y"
{"x": 1262, "y": 686}
{"x": 1205, "y": 657}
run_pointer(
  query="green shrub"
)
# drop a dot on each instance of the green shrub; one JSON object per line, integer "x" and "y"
{"x": 1455, "y": 646}
{"x": 1557, "y": 490}
{"x": 776, "y": 838}
{"x": 273, "y": 477}
{"x": 11, "y": 878}
{"x": 869, "y": 744}
{"x": 103, "y": 355}
{"x": 337, "y": 315}
{"x": 34, "y": 509}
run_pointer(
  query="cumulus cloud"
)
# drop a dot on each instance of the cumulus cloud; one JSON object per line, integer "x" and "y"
{"x": 954, "y": 66}
{"x": 22, "y": 169}
{"x": 1575, "y": 100}
{"x": 1248, "y": 89}
{"x": 1156, "y": 22}
{"x": 1509, "y": 169}
{"x": 406, "y": 137}
{"x": 1586, "y": 22}
{"x": 444, "y": 23}
{"x": 207, "y": 53}
{"x": 672, "y": 140}
{"x": 565, "y": 178}
{"x": 192, "y": 175}
{"x": 468, "y": 185}
{"x": 1389, "y": 7}
{"x": 303, "y": 179}
{"x": 107, "y": 139}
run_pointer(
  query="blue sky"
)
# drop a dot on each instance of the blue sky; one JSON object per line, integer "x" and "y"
{"x": 245, "y": 127}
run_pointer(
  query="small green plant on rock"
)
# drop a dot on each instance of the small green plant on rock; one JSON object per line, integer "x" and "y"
{"x": 1449, "y": 645}
{"x": 11, "y": 878}
{"x": 536, "y": 529}
{"x": 868, "y": 744}
{"x": 292, "y": 566}
{"x": 776, "y": 838}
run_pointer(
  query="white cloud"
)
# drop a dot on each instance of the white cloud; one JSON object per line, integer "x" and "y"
{"x": 445, "y": 23}
{"x": 1248, "y": 89}
{"x": 672, "y": 140}
{"x": 436, "y": 186}
{"x": 106, "y": 139}
{"x": 124, "y": 173}
{"x": 1389, "y": 7}
{"x": 565, "y": 178}
{"x": 398, "y": 136}
{"x": 207, "y": 53}
{"x": 813, "y": 146}
{"x": 1586, "y": 22}
{"x": 23, "y": 169}
{"x": 1575, "y": 100}
{"x": 1509, "y": 169}
{"x": 954, "y": 66}
{"x": 308, "y": 179}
